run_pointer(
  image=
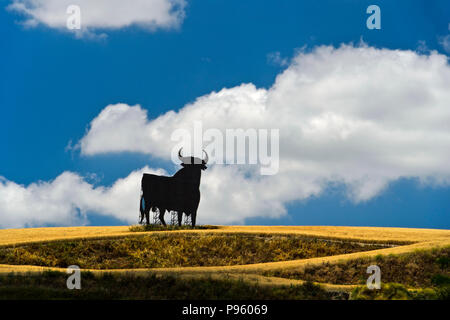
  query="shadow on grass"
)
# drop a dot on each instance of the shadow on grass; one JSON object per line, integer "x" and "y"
{"x": 52, "y": 285}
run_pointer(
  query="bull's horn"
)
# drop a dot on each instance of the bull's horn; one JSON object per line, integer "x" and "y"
{"x": 206, "y": 158}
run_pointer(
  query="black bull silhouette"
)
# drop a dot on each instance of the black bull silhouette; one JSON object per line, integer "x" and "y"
{"x": 180, "y": 193}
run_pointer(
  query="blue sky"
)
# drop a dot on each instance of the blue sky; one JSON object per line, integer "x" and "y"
{"x": 53, "y": 84}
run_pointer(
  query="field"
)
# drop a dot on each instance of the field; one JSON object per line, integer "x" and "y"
{"x": 225, "y": 262}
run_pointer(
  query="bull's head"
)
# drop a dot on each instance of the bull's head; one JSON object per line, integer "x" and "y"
{"x": 193, "y": 161}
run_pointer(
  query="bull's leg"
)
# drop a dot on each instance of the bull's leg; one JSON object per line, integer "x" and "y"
{"x": 141, "y": 210}
{"x": 180, "y": 218}
{"x": 161, "y": 215}
{"x": 147, "y": 212}
{"x": 141, "y": 216}
{"x": 194, "y": 217}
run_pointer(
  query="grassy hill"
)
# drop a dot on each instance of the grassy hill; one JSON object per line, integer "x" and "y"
{"x": 276, "y": 261}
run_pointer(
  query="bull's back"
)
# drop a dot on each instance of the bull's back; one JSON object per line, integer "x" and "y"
{"x": 155, "y": 184}
{"x": 169, "y": 192}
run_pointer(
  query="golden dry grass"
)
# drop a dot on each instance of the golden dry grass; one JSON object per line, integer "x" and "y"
{"x": 422, "y": 238}
{"x": 21, "y": 236}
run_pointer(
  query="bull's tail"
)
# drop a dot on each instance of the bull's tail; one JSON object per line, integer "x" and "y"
{"x": 141, "y": 208}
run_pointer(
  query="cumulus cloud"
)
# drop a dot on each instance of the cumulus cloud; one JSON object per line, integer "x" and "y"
{"x": 102, "y": 14}
{"x": 444, "y": 41}
{"x": 68, "y": 199}
{"x": 361, "y": 117}
{"x": 276, "y": 59}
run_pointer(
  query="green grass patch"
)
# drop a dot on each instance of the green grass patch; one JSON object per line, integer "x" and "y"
{"x": 396, "y": 291}
{"x": 419, "y": 269}
{"x": 152, "y": 250}
{"x": 52, "y": 285}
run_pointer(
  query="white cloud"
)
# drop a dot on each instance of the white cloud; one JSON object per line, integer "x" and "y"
{"x": 444, "y": 41}
{"x": 68, "y": 199}
{"x": 357, "y": 116}
{"x": 276, "y": 59}
{"x": 102, "y": 14}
